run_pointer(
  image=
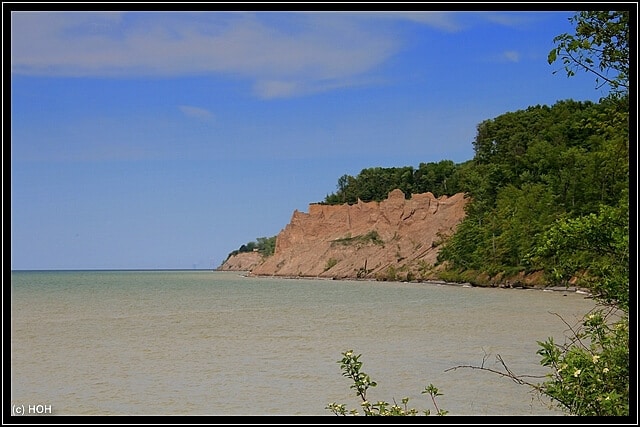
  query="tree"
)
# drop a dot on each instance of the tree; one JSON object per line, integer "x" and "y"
{"x": 266, "y": 245}
{"x": 589, "y": 243}
{"x": 600, "y": 46}
{"x": 590, "y": 374}
{"x": 531, "y": 167}
{"x": 343, "y": 181}
{"x": 594, "y": 250}
{"x": 438, "y": 178}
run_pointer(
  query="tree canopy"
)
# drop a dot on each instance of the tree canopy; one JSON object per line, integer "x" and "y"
{"x": 600, "y": 45}
{"x": 374, "y": 184}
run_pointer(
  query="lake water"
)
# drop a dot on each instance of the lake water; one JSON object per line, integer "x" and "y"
{"x": 219, "y": 343}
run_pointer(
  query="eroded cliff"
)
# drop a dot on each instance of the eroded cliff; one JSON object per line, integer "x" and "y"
{"x": 395, "y": 239}
{"x": 243, "y": 261}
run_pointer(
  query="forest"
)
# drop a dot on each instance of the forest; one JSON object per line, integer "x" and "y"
{"x": 535, "y": 172}
{"x": 531, "y": 169}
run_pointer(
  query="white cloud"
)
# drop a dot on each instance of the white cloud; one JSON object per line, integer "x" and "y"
{"x": 520, "y": 20}
{"x": 463, "y": 20}
{"x": 511, "y": 56}
{"x": 196, "y": 112}
{"x": 446, "y": 21}
{"x": 276, "y": 89}
{"x": 280, "y": 55}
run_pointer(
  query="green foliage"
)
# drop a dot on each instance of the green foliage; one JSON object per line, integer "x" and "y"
{"x": 600, "y": 46}
{"x": 498, "y": 239}
{"x": 548, "y": 189}
{"x": 520, "y": 214}
{"x": 441, "y": 178}
{"x": 372, "y": 184}
{"x": 581, "y": 156}
{"x": 351, "y": 366}
{"x": 590, "y": 375}
{"x": 264, "y": 245}
{"x": 531, "y": 168}
{"x": 595, "y": 249}
{"x": 375, "y": 184}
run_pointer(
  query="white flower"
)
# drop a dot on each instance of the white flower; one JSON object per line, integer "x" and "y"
{"x": 595, "y": 358}
{"x": 577, "y": 372}
{"x": 605, "y": 370}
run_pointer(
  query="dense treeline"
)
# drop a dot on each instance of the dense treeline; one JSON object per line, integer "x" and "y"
{"x": 530, "y": 168}
{"x": 552, "y": 194}
{"x": 533, "y": 167}
{"x": 374, "y": 184}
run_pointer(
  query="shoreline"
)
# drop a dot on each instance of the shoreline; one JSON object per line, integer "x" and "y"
{"x": 566, "y": 289}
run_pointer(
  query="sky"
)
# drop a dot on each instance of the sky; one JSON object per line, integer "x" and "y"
{"x": 166, "y": 140}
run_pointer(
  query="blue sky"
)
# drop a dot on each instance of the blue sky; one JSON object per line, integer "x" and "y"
{"x": 167, "y": 140}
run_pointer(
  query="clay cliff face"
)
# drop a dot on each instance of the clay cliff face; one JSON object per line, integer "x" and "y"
{"x": 396, "y": 239}
{"x": 243, "y": 261}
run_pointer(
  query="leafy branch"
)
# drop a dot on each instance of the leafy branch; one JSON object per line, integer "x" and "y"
{"x": 351, "y": 368}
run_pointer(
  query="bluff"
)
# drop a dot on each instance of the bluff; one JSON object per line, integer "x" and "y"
{"x": 242, "y": 261}
{"x": 395, "y": 239}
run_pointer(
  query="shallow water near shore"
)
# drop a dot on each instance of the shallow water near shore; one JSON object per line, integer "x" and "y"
{"x": 219, "y": 343}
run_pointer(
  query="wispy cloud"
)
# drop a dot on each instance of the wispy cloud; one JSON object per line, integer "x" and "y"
{"x": 445, "y": 21}
{"x": 453, "y": 22}
{"x": 511, "y": 56}
{"x": 303, "y": 54}
{"x": 196, "y": 112}
{"x": 510, "y": 19}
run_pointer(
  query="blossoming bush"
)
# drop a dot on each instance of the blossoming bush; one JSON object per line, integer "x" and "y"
{"x": 590, "y": 376}
{"x": 351, "y": 365}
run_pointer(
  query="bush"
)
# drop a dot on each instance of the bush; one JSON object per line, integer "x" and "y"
{"x": 590, "y": 379}
{"x": 351, "y": 365}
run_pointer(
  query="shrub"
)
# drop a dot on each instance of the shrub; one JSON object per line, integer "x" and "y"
{"x": 351, "y": 368}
